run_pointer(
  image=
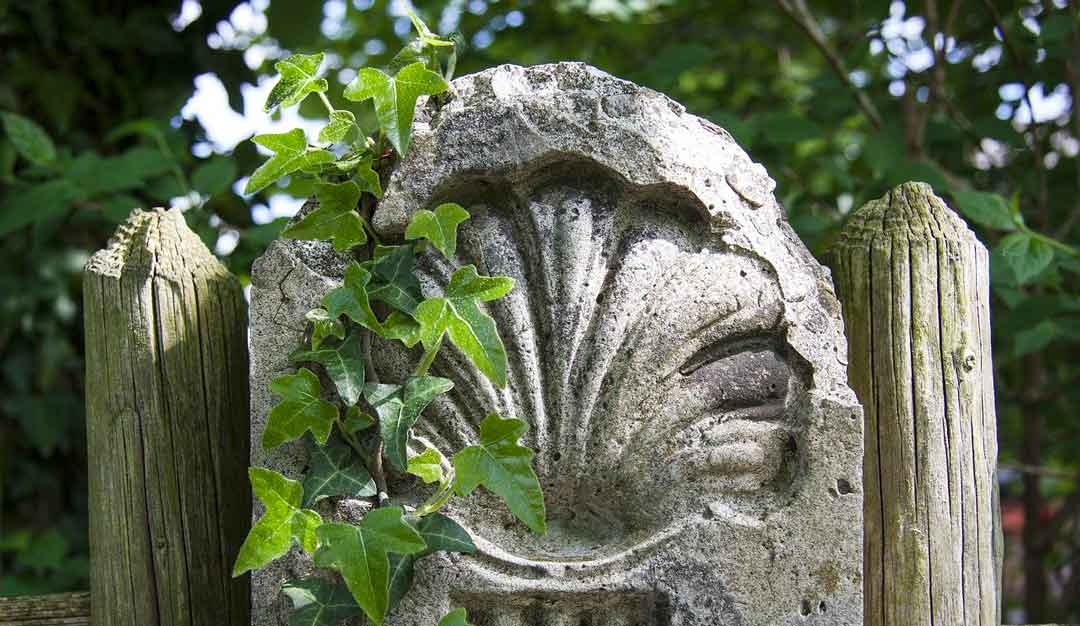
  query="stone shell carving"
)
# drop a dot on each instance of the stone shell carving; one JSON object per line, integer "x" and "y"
{"x": 675, "y": 349}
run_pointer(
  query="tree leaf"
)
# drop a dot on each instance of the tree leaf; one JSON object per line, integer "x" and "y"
{"x": 394, "y": 280}
{"x": 352, "y": 299}
{"x": 400, "y": 410}
{"x": 359, "y": 554}
{"x": 283, "y": 522}
{"x": 336, "y": 471}
{"x": 988, "y": 209}
{"x": 214, "y": 176}
{"x": 335, "y": 219}
{"x": 442, "y": 534}
{"x": 323, "y": 325}
{"x": 291, "y": 153}
{"x": 1026, "y": 255}
{"x": 439, "y": 227}
{"x": 319, "y": 602}
{"x": 427, "y": 466}
{"x": 344, "y": 364}
{"x": 301, "y": 409}
{"x": 298, "y": 79}
{"x": 29, "y": 139}
{"x": 470, "y": 329}
{"x": 395, "y": 98}
{"x": 499, "y": 463}
{"x": 457, "y": 617}
{"x": 38, "y": 202}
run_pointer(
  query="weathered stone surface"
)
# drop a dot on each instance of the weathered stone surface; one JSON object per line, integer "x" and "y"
{"x": 677, "y": 352}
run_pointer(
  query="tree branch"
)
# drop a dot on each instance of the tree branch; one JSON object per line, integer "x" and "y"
{"x": 800, "y": 14}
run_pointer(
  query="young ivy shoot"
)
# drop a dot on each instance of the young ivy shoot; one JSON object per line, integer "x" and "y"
{"x": 360, "y": 431}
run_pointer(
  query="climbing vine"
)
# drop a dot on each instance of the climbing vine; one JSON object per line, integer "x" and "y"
{"x": 360, "y": 431}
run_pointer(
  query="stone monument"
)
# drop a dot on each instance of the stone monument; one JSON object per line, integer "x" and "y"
{"x": 677, "y": 352}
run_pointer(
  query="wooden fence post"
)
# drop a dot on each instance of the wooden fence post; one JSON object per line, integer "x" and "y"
{"x": 914, "y": 284}
{"x": 167, "y": 428}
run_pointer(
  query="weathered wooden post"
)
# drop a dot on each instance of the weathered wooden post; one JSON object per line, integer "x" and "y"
{"x": 167, "y": 428}
{"x": 914, "y": 283}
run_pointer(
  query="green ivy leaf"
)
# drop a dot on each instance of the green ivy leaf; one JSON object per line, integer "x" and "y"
{"x": 344, "y": 364}
{"x": 438, "y": 226}
{"x": 457, "y": 617}
{"x": 291, "y": 153}
{"x": 335, "y": 219}
{"x": 214, "y": 176}
{"x": 427, "y": 466}
{"x": 402, "y": 569}
{"x": 298, "y": 79}
{"x": 401, "y": 327}
{"x": 336, "y": 471}
{"x": 323, "y": 325}
{"x": 395, "y": 98}
{"x": 442, "y": 534}
{"x": 1026, "y": 255}
{"x": 359, "y": 554}
{"x": 425, "y": 34}
{"x": 399, "y": 411}
{"x": 342, "y": 128}
{"x": 352, "y": 299}
{"x": 30, "y": 140}
{"x": 394, "y": 281}
{"x": 988, "y": 209}
{"x": 300, "y": 410}
{"x": 356, "y": 420}
{"x": 319, "y": 602}
{"x": 502, "y": 465}
{"x": 470, "y": 328}
{"x": 282, "y": 523}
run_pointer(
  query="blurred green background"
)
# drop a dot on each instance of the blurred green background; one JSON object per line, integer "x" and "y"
{"x": 151, "y": 103}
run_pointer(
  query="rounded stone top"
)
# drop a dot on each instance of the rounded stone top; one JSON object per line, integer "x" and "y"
{"x": 156, "y": 243}
{"x": 908, "y": 211}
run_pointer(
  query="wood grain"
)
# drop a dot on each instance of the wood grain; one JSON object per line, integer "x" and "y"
{"x": 914, "y": 284}
{"x": 167, "y": 428}
{"x": 58, "y": 609}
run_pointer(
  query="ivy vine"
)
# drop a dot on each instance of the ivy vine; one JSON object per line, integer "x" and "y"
{"x": 362, "y": 433}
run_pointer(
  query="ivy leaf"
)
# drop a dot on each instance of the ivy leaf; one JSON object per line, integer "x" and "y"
{"x": 439, "y": 227}
{"x": 395, "y": 98}
{"x": 356, "y": 420}
{"x": 344, "y": 364}
{"x": 352, "y": 299}
{"x": 291, "y": 153}
{"x": 425, "y": 34}
{"x": 298, "y": 79}
{"x": 342, "y": 128}
{"x": 335, "y": 219}
{"x": 988, "y": 209}
{"x": 427, "y": 466}
{"x": 29, "y": 139}
{"x": 395, "y": 283}
{"x": 323, "y": 326}
{"x": 457, "y": 617}
{"x": 1026, "y": 255}
{"x": 399, "y": 411}
{"x": 369, "y": 177}
{"x": 459, "y": 315}
{"x": 282, "y": 523}
{"x": 401, "y": 327}
{"x": 319, "y": 602}
{"x": 359, "y": 554}
{"x": 502, "y": 465}
{"x": 442, "y": 534}
{"x": 335, "y": 471}
{"x": 401, "y": 577}
{"x": 301, "y": 409}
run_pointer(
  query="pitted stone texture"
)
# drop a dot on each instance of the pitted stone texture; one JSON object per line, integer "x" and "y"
{"x": 675, "y": 349}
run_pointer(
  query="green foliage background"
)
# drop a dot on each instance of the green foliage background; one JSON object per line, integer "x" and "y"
{"x": 839, "y": 99}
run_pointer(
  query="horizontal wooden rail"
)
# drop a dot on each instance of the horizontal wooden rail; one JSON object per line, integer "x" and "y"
{"x": 58, "y": 609}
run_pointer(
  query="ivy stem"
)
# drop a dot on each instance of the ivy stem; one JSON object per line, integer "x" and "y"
{"x": 442, "y": 496}
{"x": 380, "y": 475}
{"x": 326, "y": 102}
{"x": 350, "y": 439}
{"x": 428, "y": 358}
